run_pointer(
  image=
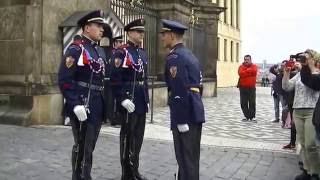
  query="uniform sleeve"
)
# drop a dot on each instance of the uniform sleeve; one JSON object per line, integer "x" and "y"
{"x": 178, "y": 100}
{"x": 309, "y": 79}
{"x": 66, "y": 75}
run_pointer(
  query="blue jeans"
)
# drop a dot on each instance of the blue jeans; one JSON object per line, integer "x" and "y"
{"x": 278, "y": 99}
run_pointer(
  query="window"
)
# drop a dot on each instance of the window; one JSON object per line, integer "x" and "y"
{"x": 225, "y": 50}
{"x": 231, "y": 51}
{"x": 231, "y": 13}
{"x": 238, "y": 14}
{"x": 218, "y": 47}
{"x": 225, "y": 19}
{"x": 237, "y": 51}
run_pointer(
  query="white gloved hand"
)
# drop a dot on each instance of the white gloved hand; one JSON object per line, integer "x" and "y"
{"x": 80, "y": 112}
{"x": 128, "y": 104}
{"x": 148, "y": 107}
{"x": 183, "y": 127}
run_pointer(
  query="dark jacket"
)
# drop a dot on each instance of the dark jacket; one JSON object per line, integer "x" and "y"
{"x": 277, "y": 83}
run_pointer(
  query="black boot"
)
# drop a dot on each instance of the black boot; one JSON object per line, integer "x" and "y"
{"x": 303, "y": 176}
{"x": 140, "y": 177}
{"x": 314, "y": 177}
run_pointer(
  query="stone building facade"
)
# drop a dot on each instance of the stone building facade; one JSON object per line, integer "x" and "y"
{"x": 229, "y": 43}
{"x": 32, "y": 42}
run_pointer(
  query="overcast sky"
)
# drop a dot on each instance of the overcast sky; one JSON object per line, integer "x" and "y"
{"x": 272, "y": 30}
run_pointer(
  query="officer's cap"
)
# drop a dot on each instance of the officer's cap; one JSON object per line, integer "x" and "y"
{"x": 136, "y": 25}
{"x": 118, "y": 38}
{"x": 173, "y": 26}
{"x": 95, "y": 16}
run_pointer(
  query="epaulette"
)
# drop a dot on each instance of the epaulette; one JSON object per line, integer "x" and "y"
{"x": 124, "y": 46}
{"x": 171, "y": 56}
{"x": 76, "y": 43}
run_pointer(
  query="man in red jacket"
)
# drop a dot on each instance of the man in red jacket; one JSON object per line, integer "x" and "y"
{"x": 247, "y": 86}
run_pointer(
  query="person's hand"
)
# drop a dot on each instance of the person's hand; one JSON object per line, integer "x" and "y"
{"x": 128, "y": 104}
{"x": 148, "y": 107}
{"x": 286, "y": 70}
{"x": 80, "y": 112}
{"x": 183, "y": 127}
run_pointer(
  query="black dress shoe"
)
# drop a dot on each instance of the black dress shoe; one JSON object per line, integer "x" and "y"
{"x": 276, "y": 121}
{"x": 140, "y": 177}
{"x": 245, "y": 120}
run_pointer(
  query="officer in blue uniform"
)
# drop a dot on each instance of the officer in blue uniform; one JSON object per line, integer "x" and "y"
{"x": 183, "y": 78}
{"x": 80, "y": 79}
{"x": 131, "y": 91}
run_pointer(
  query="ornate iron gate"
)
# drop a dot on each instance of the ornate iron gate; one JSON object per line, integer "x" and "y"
{"x": 131, "y": 10}
{"x": 196, "y": 42}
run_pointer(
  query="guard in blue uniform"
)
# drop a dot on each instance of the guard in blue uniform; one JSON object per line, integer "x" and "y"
{"x": 183, "y": 78}
{"x": 80, "y": 79}
{"x": 108, "y": 97}
{"x": 114, "y": 80}
{"x": 131, "y": 91}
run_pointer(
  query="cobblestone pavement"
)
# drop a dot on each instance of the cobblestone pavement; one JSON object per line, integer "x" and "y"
{"x": 231, "y": 149}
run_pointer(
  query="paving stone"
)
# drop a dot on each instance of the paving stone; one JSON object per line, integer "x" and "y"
{"x": 230, "y": 149}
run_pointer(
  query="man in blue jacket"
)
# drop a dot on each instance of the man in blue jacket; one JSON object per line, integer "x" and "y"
{"x": 183, "y": 77}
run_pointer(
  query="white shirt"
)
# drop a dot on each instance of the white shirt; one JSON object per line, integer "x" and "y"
{"x": 304, "y": 97}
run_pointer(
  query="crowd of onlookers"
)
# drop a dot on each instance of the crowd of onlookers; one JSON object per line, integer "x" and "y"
{"x": 296, "y": 88}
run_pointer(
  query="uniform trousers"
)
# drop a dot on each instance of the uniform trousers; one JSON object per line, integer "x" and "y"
{"x": 85, "y": 141}
{"x": 187, "y": 150}
{"x": 131, "y": 138}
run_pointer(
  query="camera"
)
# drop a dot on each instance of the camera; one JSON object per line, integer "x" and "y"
{"x": 300, "y": 57}
{"x": 289, "y": 63}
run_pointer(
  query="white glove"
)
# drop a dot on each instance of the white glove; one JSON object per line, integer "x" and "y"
{"x": 148, "y": 107}
{"x": 80, "y": 112}
{"x": 183, "y": 127}
{"x": 128, "y": 104}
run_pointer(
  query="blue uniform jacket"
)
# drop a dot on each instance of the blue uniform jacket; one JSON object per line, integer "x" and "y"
{"x": 82, "y": 59}
{"x": 182, "y": 72}
{"x": 130, "y": 62}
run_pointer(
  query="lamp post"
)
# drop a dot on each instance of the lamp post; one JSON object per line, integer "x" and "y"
{"x": 193, "y": 19}
{"x": 137, "y": 2}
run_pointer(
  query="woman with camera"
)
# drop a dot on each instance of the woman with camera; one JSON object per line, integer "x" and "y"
{"x": 304, "y": 103}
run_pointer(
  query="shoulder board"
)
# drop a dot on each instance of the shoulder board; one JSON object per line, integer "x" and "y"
{"x": 74, "y": 46}
{"x": 172, "y": 56}
{"x": 124, "y": 46}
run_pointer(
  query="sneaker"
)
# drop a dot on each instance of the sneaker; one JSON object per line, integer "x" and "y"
{"x": 254, "y": 120}
{"x": 276, "y": 121}
{"x": 245, "y": 120}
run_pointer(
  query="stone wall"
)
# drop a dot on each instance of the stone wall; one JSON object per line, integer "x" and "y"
{"x": 32, "y": 49}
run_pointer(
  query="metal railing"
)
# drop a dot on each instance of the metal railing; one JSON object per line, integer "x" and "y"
{"x": 128, "y": 11}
